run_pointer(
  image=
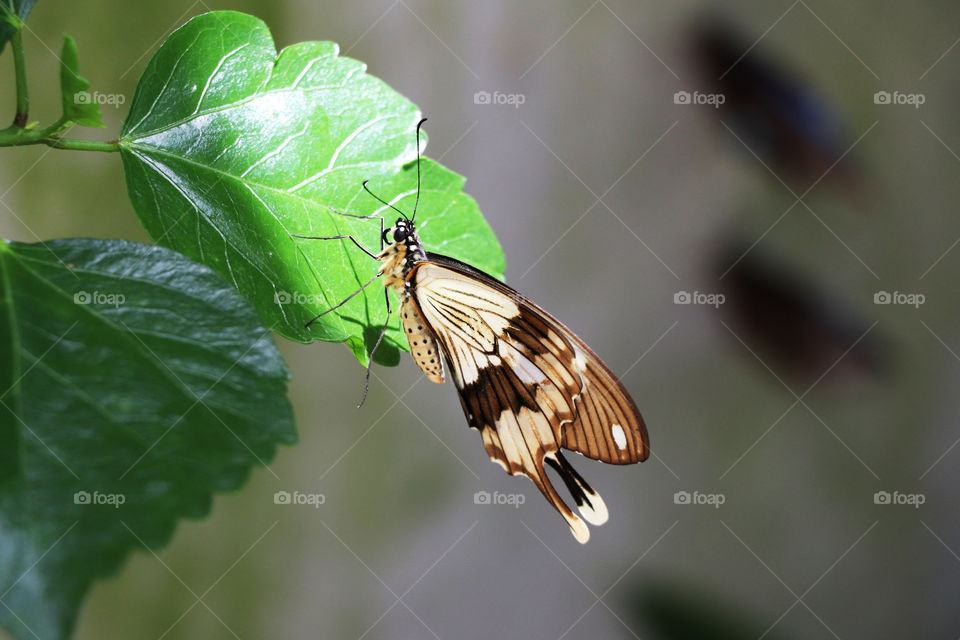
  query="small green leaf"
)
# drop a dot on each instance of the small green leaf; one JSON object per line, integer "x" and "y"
{"x": 13, "y": 13}
{"x": 143, "y": 384}
{"x": 230, "y": 148}
{"x": 79, "y": 105}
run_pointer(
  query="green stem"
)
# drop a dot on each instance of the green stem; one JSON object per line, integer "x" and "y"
{"x": 83, "y": 145}
{"x": 16, "y": 137}
{"x": 20, "y": 69}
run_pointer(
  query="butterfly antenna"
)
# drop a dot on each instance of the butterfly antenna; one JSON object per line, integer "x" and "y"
{"x": 415, "y": 204}
{"x": 382, "y": 201}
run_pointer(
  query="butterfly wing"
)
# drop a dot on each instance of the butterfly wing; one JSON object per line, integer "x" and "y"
{"x": 527, "y": 383}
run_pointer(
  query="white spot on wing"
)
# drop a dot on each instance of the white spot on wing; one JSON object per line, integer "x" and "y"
{"x": 619, "y": 436}
{"x": 580, "y": 362}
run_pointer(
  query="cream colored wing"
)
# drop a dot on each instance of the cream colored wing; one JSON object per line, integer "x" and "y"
{"x": 527, "y": 383}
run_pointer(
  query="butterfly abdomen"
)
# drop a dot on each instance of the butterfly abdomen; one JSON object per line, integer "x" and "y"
{"x": 423, "y": 344}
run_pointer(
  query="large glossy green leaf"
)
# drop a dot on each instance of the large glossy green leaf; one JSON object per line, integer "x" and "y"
{"x": 13, "y": 13}
{"x": 230, "y": 148}
{"x": 141, "y": 384}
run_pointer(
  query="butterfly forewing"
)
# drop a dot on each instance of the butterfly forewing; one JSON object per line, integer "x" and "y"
{"x": 527, "y": 383}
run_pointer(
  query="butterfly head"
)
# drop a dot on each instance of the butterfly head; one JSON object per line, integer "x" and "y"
{"x": 403, "y": 231}
{"x": 403, "y": 237}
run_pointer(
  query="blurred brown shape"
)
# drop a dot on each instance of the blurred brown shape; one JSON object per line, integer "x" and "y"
{"x": 774, "y": 112}
{"x": 797, "y": 329}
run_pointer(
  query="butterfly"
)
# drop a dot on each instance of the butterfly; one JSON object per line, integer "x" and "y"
{"x": 526, "y": 382}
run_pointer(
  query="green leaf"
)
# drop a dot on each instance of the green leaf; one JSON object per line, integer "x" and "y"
{"x": 229, "y": 148}
{"x": 9, "y": 434}
{"x": 79, "y": 105}
{"x": 13, "y": 13}
{"x": 141, "y": 377}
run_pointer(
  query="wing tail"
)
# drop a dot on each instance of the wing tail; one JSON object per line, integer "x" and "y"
{"x": 591, "y": 505}
{"x": 577, "y": 526}
{"x": 521, "y": 462}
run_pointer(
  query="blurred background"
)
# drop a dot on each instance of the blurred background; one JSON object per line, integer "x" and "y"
{"x": 747, "y": 208}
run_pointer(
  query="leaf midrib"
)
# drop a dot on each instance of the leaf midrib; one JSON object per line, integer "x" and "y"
{"x": 133, "y": 134}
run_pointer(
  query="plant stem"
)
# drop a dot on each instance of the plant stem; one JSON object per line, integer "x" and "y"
{"x": 16, "y": 137}
{"x": 83, "y": 145}
{"x": 23, "y": 98}
{"x": 17, "y": 134}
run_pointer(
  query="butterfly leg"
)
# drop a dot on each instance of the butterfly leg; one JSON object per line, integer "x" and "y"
{"x": 366, "y": 385}
{"x": 344, "y": 301}
{"x": 351, "y": 238}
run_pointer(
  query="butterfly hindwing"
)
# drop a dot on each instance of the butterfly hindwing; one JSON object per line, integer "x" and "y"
{"x": 527, "y": 383}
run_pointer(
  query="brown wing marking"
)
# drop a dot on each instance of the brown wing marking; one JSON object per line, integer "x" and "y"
{"x": 518, "y": 394}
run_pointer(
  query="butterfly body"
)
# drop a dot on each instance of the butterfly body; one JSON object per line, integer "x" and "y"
{"x": 526, "y": 382}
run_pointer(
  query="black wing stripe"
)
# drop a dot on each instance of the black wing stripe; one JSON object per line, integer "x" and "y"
{"x": 556, "y": 361}
{"x": 456, "y": 319}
